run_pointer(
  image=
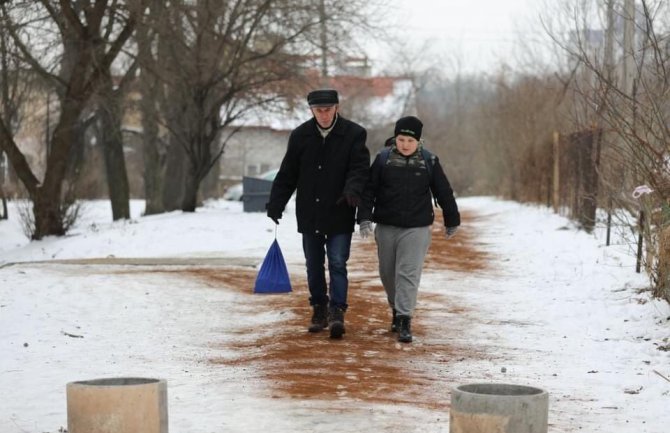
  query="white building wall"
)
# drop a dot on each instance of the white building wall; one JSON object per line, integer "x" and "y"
{"x": 261, "y": 142}
{"x": 253, "y": 150}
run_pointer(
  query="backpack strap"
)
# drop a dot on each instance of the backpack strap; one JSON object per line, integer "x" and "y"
{"x": 384, "y": 155}
{"x": 429, "y": 158}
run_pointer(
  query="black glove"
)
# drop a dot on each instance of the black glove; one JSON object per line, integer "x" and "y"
{"x": 352, "y": 200}
{"x": 274, "y": 216}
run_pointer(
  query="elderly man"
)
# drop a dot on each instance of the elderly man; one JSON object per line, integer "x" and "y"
{"x": 327, "y": 163}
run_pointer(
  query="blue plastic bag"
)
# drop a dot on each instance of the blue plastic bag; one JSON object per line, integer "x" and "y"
{"x": 273, "y": 276}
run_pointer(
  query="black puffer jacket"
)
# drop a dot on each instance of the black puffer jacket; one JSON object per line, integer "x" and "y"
{"x": 398, "y": 193}
{"x": 321, "y": 171}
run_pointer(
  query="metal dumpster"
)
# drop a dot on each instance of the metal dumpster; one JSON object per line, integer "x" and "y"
{"x": 255, "y": 193}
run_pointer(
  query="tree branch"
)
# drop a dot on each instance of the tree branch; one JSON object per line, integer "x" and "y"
{"x": 71, "y": 16}
{"x": 18, "y": 160}
{"x": 27, "y": 56}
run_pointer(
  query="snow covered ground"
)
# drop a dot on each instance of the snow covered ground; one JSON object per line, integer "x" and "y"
{"x": 556, "y": 309}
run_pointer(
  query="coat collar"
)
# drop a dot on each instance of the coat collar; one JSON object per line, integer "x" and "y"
{"x": 338, "y": 129}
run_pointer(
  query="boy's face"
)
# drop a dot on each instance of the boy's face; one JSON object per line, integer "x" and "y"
{"x": 406, "y": 145}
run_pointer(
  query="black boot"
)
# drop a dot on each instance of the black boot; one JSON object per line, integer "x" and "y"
{"x": 394, "y": 321}
{"x": 404, "y": 329}
{"x": 319, "y": 318}
{"x": 336, "y": 322}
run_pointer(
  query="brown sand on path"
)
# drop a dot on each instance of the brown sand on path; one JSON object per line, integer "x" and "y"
{"x": 368, "y": 364}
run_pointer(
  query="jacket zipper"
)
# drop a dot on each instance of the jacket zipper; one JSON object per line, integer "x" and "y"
{"x": 408, "y": 179}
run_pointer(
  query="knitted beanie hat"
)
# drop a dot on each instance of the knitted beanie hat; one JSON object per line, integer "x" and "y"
{"x": 410, "y": 126}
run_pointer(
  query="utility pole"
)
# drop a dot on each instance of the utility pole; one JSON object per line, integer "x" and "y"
{"x": 556, "y": 184}
{"x": 627, "y": 82}
{"x": 609, "y": 74}
{"x": 324, "y": 43}
{"x": 628, "y": 44}
{"x": 609, "y": 41}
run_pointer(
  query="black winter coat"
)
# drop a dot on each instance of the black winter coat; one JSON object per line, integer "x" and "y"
{"x": 322, "y": 171}
{"x": 399, "y": 193}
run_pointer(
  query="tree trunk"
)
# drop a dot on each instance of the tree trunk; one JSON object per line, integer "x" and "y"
{"x": 77, "y": 156}
{"x": 588, "y": 181}
{"x": 154, "y": 161}
{"x": 47, "y": 197}
{"x": 112, "y": 145}
{"x": 47, "y": 212}
{"x": 191, "y": 187}
{"x": 210, "y": 184}
{"x": 173, "y": 186}
{"x": 5, "y": 214}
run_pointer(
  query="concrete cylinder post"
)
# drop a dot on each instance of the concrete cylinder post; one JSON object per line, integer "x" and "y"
{"x": 498, "y": 408}
{"x": 117, "y": 405}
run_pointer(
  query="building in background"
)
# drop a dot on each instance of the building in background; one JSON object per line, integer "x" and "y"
{"x": 261, "y": 138}
{"x": 257, "y": 145}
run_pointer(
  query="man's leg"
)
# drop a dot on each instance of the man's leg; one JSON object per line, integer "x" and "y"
{"x": 314, "y": 249}
{"x": 338, "y": 248}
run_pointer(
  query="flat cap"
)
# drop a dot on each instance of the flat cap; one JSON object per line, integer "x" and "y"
{"x": 322, "y": 98}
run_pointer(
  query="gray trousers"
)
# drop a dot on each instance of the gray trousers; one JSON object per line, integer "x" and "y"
{"x": 401, "y": 254}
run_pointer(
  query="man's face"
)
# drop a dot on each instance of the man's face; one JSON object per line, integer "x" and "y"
{"x": 324, "y": 115}
{"x": 406, "y": 145}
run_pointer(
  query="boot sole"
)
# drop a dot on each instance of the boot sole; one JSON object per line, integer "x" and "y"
{"x": 405, "y": 339}
{"x": 337, "y": 330}
{"x": 316, "y": 328}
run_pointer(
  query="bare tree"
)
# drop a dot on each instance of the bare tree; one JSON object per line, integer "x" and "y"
{"x": 215, "y": 62}
{"x": 626, "y": 90}
{"x": 234, "y": 64}
{"x": 153, "y": 145}
{"x": 109, "y": 116}
{"x": 77, "y": 30}
{"x": 14, "y": 86}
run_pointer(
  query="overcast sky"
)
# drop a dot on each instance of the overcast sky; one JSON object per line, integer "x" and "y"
{"x": 474, "y": 34}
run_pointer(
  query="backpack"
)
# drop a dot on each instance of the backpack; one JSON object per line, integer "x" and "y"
{"x": 428, "y": 157}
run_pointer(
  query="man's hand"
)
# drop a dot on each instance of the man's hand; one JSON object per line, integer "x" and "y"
{"x": 352, "y": 200}
{"x": 365, "y": 229}
{"x": 274, "y": 216}
{"x": 450, "y": 232}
